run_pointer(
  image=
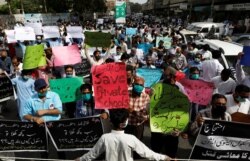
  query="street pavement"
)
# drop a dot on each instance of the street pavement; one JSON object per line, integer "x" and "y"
{"x": 10, "y": 113}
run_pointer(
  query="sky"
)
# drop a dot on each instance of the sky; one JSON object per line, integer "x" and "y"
{"x": 138, "y": 1}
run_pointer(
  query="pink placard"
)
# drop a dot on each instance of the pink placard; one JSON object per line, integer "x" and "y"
{"x": 198, "y": 91}
{"x": 66, "y": 55}
{"x": 110, "y": 86}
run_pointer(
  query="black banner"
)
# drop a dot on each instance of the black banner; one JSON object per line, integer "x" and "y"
{"x": 6, "y": 88}
{"x": 22, "y": 136}
{"x": 83, "y": 68}
{"x": 75, "y": 134}
{"x": 222, "y": 140}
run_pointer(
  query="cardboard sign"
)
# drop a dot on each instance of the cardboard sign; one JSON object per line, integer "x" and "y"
{"x": 50, "y": 32}
{"x": 36, "y": 26}
{"x": 222, "y": 140}
{"x": 83, "y": 68}
{"x": 66, "y": 55}
{"x": 120, "y": 12}
{"x": 131, "y": 31}
{"x": 22, "y": 136}
{"x": 169, "y": 109}
{"x": 145, "y": 47}
{"x": 198, "y": 91}
{"x": 151, "y": 76}
{"x": 75, "y": 31}
{"x": 67, "y": 88}
{"x": 98, "y": 39}
{"x": 75, "y": 134}
{"x": 6, "y": 88}
{"x": 24, "y": 33}
{"x": 110, "y": 86}
{"x": 10, "y": 36}
{"x": 245, "y": 60}
{"x": 167, "y": 41}
{"x": 240, "y": 117}
{"x": 34, "y": 57}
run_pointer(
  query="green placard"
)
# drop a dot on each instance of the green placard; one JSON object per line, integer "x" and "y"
{"x": 34, "y": 57}
{"x": 169, "y": 109}
{"x": 67, "y": 88}
{"x": 98, "y": 39}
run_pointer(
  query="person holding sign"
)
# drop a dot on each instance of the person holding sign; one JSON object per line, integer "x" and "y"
{"x": 241, "y": 76}
{"x": 5, "y": 60}
{"x": 43, "y": 106}
{"x": 117, "y": 145}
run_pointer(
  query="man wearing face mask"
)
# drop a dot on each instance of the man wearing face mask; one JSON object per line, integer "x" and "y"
{"x": 196, "y": 62}
{"x": 43, "y": 106}
{"x": 238, "y": 101}
{"x": 5, "y": 60}
{"x": 180, "y": 59}
{"x": 217, "y": 111}
{"x": 25, "y": 89}
{"x": 86, "y": 105}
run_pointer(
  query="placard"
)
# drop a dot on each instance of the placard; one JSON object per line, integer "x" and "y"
{"x": 34, "y": 57}
{"x": 24, "y": 33}
{"x": 10, "y": 36}
{"x": 98, "y": 39}
{"x": 66, "y": 55}
{"x": 75, "y": 31}
{"x": 6, "y": 88}
{"x": 50, "y": 32}
{"x": 67, "y": 88}
{"x": 22, "y": 136}
{"x": 167, "y": 42}
{"x": 131, "y": 31}
{"x": 83, "y": 68}
{"x": 151, "y": 76}
{"x": 222, "y": 140}
{"x": 169, "y": 109}
{"x": 110, "y": 86}
{"x": 36, "y": 26}
{"x": 245, "y": 60}
{"x": 75, "y": 134}
{"x": 198, "y": 91}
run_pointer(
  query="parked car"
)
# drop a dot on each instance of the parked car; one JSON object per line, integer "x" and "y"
{"x": 244, "y": 40}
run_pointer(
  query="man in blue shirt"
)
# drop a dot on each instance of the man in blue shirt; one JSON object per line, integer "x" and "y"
{"x": 43, "y": 106}
{"x": 5, "y": 61}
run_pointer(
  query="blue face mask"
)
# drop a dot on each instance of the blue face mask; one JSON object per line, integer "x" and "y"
{"x": 87, "y": 96}
{"x": 138, "y": 88}
{"x": 240, "y": 99}
{"x": 42, "y": 94}
{"x": 25, "y": 78}
{"x": 195, "y": 76}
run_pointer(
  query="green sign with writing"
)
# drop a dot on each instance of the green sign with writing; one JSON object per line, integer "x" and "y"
{"x": 120, "y": 12}
{"x": 34, "y": 57}
{"x": 67, "y": 88}
{"x": 98, "y": 39}
{"x": 169, "y": 109}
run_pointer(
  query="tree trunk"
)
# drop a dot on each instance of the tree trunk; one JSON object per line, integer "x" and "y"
{"x": 21, "y": 1}
{"x": 9, "y": 8}
{"x": 45, "y": 6}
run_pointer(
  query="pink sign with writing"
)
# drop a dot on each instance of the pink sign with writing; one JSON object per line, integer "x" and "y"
{"x": 66, "y": 55}
{"x": 198, "y": 91}
{"x": 110, "y": 86}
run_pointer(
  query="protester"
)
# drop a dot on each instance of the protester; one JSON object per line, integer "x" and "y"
{"x": 119, "y": 146}
{"x": 16, "y": 67}
{"x": 149, "y": 63}
{"x": 97, "y": 59}
{"x": 243, "y": 77}
{"x": 5, "y": 60}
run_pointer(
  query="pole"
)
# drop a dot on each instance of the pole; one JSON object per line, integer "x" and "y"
{"x": 45, "y": 6}
{"x": 212, "y": 9}
{"x": 21, "y": 1}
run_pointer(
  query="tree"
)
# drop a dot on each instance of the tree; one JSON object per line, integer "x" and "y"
{"x": 8, "y": 2}
{"x": 135, "y": 7}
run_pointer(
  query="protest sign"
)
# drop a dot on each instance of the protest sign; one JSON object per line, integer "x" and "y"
{"x": 169, "y": 109}
{"x": 50, "y": 32}
{"x": 75, "y": 134}
{"x": 22, "y": 136}
{"x": 240, "y": 117}
{"x": 6, "y": 88}
{"x": 34, "y": 57}
{"x": 36, "y": 26}
{"x": 145, "y": 47}
{"x": 245, "y": 60}
{"x": 83, "y": 68}
{"x": 97, "y": 39}
{"x": 24, "y": 33}
{"x": 110, "y": 86}
{"x": 10, "y": 36}
{"x": 100, "y": 21}
{"x": 151, "y": 76}
{"x": 120, "y": 12}
{"x": 67, "y": 88}
{"x": 131, "y": 31}
{"x": 167, "y": 41}
{"x": 222, "y": 140}
{"x": 66, "y": 55}
{"x": 198, "y": 91}
{"x": 75, "y": 31}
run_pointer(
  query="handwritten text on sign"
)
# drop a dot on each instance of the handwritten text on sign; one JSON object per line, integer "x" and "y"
{"x": 6, "y": 88}
{"x": 75, "y": 133}
{"x": 22, "y": 136}
{"x": 222, "y": 140}
{"x": 110, "y": 86}
{"x": 168, "y": 109}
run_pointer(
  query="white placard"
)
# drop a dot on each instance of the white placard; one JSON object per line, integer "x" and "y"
{"x": 10, "y": 36}
{"x": 37, "y": 27}
{"x": 24, "y": 33}
{"x": 75, "y": 31}
{"x": 50, "y": 32}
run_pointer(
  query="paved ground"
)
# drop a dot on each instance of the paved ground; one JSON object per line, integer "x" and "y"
{"x": 10, "y": 113}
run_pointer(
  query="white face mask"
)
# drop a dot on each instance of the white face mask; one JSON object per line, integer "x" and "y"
{"x": 124, "y": 125}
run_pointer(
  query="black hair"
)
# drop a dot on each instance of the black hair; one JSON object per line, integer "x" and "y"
{"x": 125, "y": 56}
{"x": 192, "y": 69}
{"x": 96, "y": 51}
{"x": 206, "y": 47}
{"x": 217, "y": 96}
{"x": 118, "y": 116}
{"x": 27, "y": 72}
{"x": 216, "y": 54}
{"x": 242, "y": 88}
{"x": 86, "y": 86}
{"x": 226, "y": 72}
{"x": 129, "y": 68}
{"x": 109, "y": 60}
{"x": 68, "y": 66}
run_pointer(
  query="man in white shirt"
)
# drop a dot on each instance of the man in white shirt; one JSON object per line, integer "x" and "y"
{"x": 97, "y": 59}
{"x": 242, "y": 78}
{"x": 206, "y": 54}
{"x": 223, "y": 83}
{"x": 119, "y": 146}
{"x": 238, "y": 101}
